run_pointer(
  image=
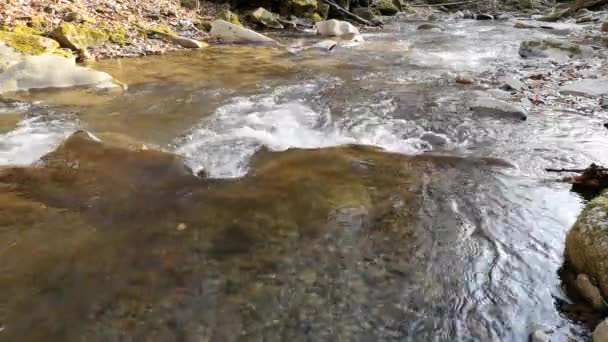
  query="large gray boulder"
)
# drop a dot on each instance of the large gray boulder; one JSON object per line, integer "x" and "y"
{"x": 235, "y": 34}
{"x": 587, "y": 243}
{"x": 587, "y": 88}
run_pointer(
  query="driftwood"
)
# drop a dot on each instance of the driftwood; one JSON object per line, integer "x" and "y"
{"x": 591, "y": 181}
{"x": 349, "y": 15}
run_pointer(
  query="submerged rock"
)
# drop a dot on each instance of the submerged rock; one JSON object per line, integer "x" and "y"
{"x": 523, "y": 25}
{"x": 235, "y": 34}
{"x": 587, "y": 243}
{"x": 484, "y": 16}
{"x": 588, "y": 88}
{"x": 335, "y": 28}
{"x": 490, "y": 106}
{"x": 429, "y": 27}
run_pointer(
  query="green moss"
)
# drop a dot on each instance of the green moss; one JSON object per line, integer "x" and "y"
{"x": 25, "y": 30}
{"x": 29, "y": 44}
{"x": 117, "y": 35}
{"x": 302, "y": 8}
{"x": 316, "y": 18}
{"x": 79, "y": 37}
{"x": 63, "y": 53}
{"x": 323, "y": 10}
{"x": 160, "y": 30}
{"x": 386, "y": 7}
{"x": 119, "y": 83}
{"x": 41, "y": 24}
{"x": 230, "y": 17}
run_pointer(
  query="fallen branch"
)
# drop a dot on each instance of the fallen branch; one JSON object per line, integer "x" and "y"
{"x": 348, "y": 14}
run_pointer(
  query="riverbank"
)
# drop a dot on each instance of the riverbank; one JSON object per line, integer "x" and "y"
{"x": 114, "y": 29}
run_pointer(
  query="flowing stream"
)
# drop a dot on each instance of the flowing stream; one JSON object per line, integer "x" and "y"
{"x": 486, "y": 230}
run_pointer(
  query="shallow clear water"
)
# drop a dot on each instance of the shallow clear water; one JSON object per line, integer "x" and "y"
{"x": 480, "y": 262}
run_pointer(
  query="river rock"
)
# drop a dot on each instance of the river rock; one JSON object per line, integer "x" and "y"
{"x": 230, "y": 17}
{"x": 325, "y": 45}
{"x": 429, "y": 27}
{"x": 79, "y": 38}
{"x": 368, "y": 13}
{"x": 467, "y": 14}
{"x": 583, "y": 16}
{"x": 464, "y": 79}
{"x": 590, "y": 292}
{"x": 499, "y": 94}
{"x": 512, "y": 83}
{"x": 183, "y": 41}
{"x": 484, "y": 16}
{"x": 605, "y": 26}
{"x": 36, "y": 72}
{"x": 28, "y": 44}
{"x": 600, "y": 334}
{"x": 587, "y": 243}
{"x": 235, "y": 34}
{"x": 303, "y": 8}
{"x": 265, "y": 18}
{"x": 385, "y": 7}
{"x": 335, "y": 28}
{"x": 587, "y": 88}
{"x": 539, "y": 336}
{"x": 490, "y": 106}
{"x": 554, "y": 49}
{"x": 523, "y": 25}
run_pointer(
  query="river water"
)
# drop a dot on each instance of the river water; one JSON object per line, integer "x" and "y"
{"x": 286, "y": 243}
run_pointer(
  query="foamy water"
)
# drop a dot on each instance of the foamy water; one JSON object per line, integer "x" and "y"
{"x": 223, "y": 144}
{"x": 34, "y": 137}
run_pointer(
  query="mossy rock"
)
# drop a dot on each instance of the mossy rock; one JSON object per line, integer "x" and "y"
{"x": 26, "y": 30}
{"x": 189, "y": 4}
{"x": 386, "y": 7}
{"x": 117, "y": 35}
{"x": 29, "y": 44}
{"x": 605, "y": 26}
{"x": 303, "y": 8}
{"x": 557, "y": 15}
{"x": 160, "y": 30}
{"x": 230, "y": 17}
{"x": 79, "y": 38}
{"x": 316, "y": 18}
{"x": 323, "y": 10}
{"x": 587, "y": 243}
